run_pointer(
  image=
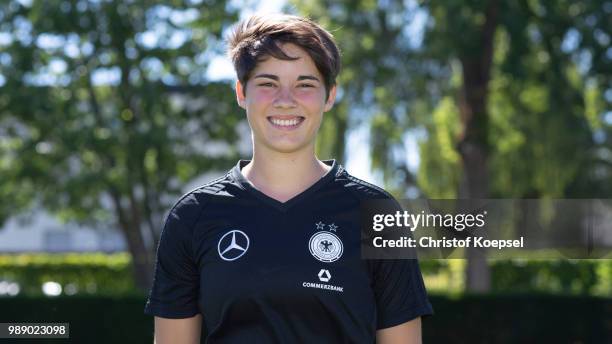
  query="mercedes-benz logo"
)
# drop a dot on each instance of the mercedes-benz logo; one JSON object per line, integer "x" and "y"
{"x": 233, "y": 245}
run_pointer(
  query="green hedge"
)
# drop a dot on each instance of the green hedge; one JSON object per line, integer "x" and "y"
{"x": 92, "y": 319}
{"x": 558, "y": 276}
{"x": 519, "y": 318}
{"x": 90, "y": 273}
{"x": 469, "y": 319}
{"x": 570, "y": 277}
{"x": 102, "y": 274}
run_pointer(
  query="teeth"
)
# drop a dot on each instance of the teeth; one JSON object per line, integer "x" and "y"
{"x": 285, "y": 122}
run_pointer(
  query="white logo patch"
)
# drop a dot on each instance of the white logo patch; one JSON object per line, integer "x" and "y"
{"x": 325, "y": 246}
{"x": 324, "y": 275}
{"x": 233, "y": 245}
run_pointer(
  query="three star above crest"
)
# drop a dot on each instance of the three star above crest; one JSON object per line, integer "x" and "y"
{"x": 333, "y": 227}
{"x": 320, "y": 225}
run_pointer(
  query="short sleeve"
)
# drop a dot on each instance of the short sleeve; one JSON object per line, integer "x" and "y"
{"x": 398, "y": 284}
{"x": 399, "y": 292}
{"x": 174, "y": 293}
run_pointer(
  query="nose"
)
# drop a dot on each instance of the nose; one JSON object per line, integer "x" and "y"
{"x": 284, "y": 98}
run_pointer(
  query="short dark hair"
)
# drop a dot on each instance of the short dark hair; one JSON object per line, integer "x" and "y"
{"x": 259, "y": 36}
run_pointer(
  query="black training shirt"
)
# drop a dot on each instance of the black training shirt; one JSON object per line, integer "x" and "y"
{"x": 263, "y": 271}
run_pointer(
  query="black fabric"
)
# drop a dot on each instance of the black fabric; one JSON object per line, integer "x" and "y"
{"x": 300, "y": 280}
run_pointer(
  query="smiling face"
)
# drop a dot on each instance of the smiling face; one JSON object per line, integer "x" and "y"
{"x": 285, "y": 102}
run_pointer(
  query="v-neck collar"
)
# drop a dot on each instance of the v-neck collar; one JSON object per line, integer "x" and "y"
{"x": 283, "y": 206}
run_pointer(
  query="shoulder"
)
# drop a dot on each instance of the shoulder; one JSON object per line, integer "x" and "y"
{"x": 359, "y": 188}
{"x": 190, "y": 206}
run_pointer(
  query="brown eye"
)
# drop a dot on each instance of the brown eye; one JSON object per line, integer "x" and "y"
{"x": 266, "y": 84}
{"x": 306, "y": 85}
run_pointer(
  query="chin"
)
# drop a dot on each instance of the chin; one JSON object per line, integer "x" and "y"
{"x": 286, "y": 147}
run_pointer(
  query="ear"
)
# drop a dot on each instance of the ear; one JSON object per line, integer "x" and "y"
{"x": 332, "y": 98}
{"x": 240, "y": 98}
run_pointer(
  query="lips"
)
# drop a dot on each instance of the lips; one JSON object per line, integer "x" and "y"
{"x": 286, "y": 121}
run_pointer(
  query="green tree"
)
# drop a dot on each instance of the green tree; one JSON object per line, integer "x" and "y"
{"x": 106, "y": 110}
{"x": 507, "y": 96}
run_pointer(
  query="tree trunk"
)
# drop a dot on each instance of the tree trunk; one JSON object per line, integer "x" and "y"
{"x": 473, "y": 143}
{"x": 142, "y": 257}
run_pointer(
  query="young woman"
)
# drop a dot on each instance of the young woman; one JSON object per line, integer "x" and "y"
{"x": 270, "y": 252}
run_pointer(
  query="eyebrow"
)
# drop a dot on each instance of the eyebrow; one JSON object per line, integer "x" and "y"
{"x": 275, "y": 77}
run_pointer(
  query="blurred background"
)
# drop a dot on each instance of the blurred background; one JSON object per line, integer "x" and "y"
{"x": 111, "y": 110}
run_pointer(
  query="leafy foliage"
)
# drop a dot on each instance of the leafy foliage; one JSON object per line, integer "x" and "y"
{"x": 106, "y": 110}
{"x": 551, "y": 64}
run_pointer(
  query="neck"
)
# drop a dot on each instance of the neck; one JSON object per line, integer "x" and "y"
{"x": 284, "y": 175}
